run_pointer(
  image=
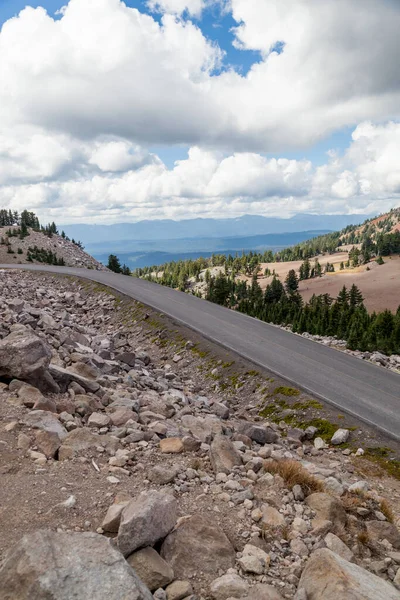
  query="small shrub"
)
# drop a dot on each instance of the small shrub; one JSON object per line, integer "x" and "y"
{"x": 364, "y": 538}
{"x": 293, "y": 473}
{"x": 386, "y": 509}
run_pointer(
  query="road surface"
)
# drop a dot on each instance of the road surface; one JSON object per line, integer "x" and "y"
{"x": 361, "y": 389}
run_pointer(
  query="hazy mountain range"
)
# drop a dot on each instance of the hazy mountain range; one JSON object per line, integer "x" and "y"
{"x": 152, "y": 242}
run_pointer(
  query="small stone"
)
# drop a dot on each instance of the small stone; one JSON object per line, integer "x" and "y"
{"x": 112, "y": 519}
{"x": 297, "y": 546}
{"x": 23, "y": 442}
{"x": 151, "y": 568}
{"x": 298, "y": 493}
{"x": 319, "y": 444}
{"x": 271, "y": 517}
{"x": 99, "y": 420}
{"x": 340, "y": 437}
{"x": 162, "y": 475}
{"x": 178, "y": 590}
{"x": 359, "y": 486}
{"x": 113, "y": 480}
{"x": 229, "y": 586}
{"x": 334, "y": 486}
{"x": 171, "y": 446}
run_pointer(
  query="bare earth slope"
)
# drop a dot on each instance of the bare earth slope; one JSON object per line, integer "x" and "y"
{"x": 380, "y": 284}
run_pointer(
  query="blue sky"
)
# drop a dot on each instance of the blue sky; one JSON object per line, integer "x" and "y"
{"x": 215, "y": 26}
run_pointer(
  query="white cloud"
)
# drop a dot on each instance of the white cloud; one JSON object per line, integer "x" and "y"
{"x": 113, "y": 181}
{"x": 117, "y": 156}
{"x": 83, "y": 97}
{"x": 106, "y": 69}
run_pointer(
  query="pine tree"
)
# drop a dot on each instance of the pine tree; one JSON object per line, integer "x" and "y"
{"x": 114, "y": 264}
{"x": 355, "y": 297}
{"x": 291, "y": 282}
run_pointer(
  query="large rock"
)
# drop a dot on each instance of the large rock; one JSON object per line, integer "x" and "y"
{"x": 223, "y": 455}
{"x": 335, "y": 544}
{"x": 29, "y": 395}
{"x": 327, "y": 576}
{"x": 58, "y": 566}
{"x": 382, "y": 530}
{"x": 151, "y": 568}
{"x": 328, "y": 508}
{"x": 65, "y": 376}
{"x": 257, "y": 433}
{"x": 197, "y": 544}
{"x": 23, "y": 355}
{"x": 82, "y": 439}
{"x": 128, "y": 358}
{"x": 45, "y": 421}
{"x": 48, "y": 443}
{"x": 85, "y": 370}
{"x": 146, "y": 520}
{"x": 204, "y": 429}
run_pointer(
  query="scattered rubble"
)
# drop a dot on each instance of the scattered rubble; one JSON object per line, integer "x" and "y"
{"x": 205, "y": 500}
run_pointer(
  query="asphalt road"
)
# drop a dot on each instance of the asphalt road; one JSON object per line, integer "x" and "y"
{"x": 364, "y": 390}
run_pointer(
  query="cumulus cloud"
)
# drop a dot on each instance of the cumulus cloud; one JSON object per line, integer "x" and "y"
{"x": 84, "y": 96}
{"x": 112, "y": 181}
{"x": 106, "y": 69}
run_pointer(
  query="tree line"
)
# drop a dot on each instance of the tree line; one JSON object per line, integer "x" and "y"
{"x": 344, "y": 317}
{"x": 28, "y": 220}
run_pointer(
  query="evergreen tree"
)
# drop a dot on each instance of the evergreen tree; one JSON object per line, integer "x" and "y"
{"x": 291, "y": 282}
{"x": 114, "y": 264}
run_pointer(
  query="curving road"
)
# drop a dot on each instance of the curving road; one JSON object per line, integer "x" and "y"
{"x": 364, "y": 390}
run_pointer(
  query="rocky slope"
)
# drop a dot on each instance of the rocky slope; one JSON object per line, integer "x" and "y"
{"x": 127, "y": 472}
{"x": 72, "y": 254}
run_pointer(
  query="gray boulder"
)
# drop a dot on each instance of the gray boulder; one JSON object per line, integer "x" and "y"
{"x": 328, "y": 508}
{"x": 62, "y": 566}
{"x": 327, "y": 576}
{"x": 223, "y": 455}
{"x": 340, "y": 437}
{"x": 64, "y": 377}
{"x": 23, "y": 355}
{"x": 383, "y": 530}
{"x": 197, "y": 544}
{"x": 257, "y": 433}
{"x": 145, "y": 520}
{"x": 45, "y": 421}
{"x": 151, "y": 568}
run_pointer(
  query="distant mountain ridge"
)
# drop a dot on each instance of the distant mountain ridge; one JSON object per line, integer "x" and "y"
{"x": 146, "y": 253}
{"x": 247, "y": 225}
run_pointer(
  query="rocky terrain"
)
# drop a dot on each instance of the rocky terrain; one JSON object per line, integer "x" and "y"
{"x": 129, "y": 470}
{"x": 71, "y": 253}
{"x": 377, "y": 358}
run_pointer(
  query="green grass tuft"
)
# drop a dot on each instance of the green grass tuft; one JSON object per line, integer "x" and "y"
{"x": 286, "y": 391}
